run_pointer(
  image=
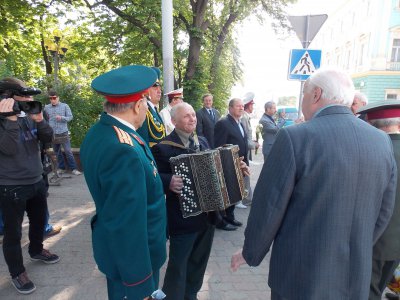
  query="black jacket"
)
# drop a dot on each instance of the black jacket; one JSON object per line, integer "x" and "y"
{"x": 227, "y": 131}
{"x": 205, "y": 124}
{"x": 162, "y": 153}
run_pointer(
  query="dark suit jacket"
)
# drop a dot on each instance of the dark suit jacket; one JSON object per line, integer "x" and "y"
{"x": 227, "y": 131}
{"x": 205, "y": 124}
{"x": 162, "y": 153}
{"x": 323, "y": 198}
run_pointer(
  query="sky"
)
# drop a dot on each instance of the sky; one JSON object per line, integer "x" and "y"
{"x": 265, "y": 56}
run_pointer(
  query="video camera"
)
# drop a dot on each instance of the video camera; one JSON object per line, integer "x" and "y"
{"x": 9, "y": 90}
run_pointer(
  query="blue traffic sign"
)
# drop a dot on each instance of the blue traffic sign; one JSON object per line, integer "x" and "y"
{"x": 303, "y": 63}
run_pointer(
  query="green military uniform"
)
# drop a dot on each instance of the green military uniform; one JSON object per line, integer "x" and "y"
{"x": 129, "y": 226}
{"x": 386, "y": 251}
{"x": 386, "y": 255}
{"x": 153, "y": 129}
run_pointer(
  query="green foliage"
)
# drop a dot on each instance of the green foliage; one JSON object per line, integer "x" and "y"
{"x": 85, "y": 105}
{"x": 104, "y": 34}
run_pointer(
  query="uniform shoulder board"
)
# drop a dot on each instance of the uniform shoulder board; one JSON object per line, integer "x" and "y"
{"x": 137, "y": 138}
{"x": 123, "y": 136}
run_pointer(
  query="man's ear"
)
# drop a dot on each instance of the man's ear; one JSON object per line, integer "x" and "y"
{"x": 173, "y": 121}
{"x": 136, "y": 106}
{"x": 317, "y": 94}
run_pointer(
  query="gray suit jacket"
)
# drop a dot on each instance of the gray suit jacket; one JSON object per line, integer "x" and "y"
{"x": 245, "y": 121}
{"x": 269, "y": 131}
{"x": 323, "y": 197}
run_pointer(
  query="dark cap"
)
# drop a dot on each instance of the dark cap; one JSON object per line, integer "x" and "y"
{"x": 125, "y": 84}
{"x": 381, "y": 110}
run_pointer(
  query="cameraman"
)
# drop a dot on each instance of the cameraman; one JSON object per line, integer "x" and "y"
{"x": 21, "y": 184}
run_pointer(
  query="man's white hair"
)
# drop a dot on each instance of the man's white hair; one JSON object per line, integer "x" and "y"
{"x": 176, "y": 108}
{"x": 113, "y": 108}
{"x": 336, "y": 86}
{"x": 360, "y": 96}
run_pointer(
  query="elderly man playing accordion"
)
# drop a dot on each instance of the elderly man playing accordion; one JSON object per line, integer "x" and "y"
{"x": 190, "y": 238}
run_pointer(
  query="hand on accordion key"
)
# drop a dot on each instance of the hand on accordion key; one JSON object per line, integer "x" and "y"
{"x": 245, "y": 168}
{"x": 176, "y": 184}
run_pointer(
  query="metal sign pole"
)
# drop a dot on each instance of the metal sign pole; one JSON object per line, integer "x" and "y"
{"x": 306, "y": 28}
{"x": 305, "y": 43}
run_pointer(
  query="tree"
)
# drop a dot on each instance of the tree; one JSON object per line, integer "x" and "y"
{"x": 104, "y": 34}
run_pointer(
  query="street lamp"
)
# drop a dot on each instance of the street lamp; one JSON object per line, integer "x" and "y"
{"x": 57, "y": 49}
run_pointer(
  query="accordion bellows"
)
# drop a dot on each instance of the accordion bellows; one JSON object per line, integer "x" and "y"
{"x": 212, "y": 180}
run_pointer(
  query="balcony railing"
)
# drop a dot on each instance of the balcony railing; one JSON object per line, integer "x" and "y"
{"x": 393, "y": 66}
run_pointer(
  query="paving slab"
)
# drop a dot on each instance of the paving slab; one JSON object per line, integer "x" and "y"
{"x": 76, "y": 276}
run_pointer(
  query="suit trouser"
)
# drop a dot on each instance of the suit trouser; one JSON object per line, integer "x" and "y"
{"x": 276, "y": 296}
{"x": 187, "y": 263}
{"x": 382, "y": 272}
{"x": 247, "y": 186}
{"x": 117, "y": 290}
{"x": 224, "y": 216}
{"x": 14, "y": 201}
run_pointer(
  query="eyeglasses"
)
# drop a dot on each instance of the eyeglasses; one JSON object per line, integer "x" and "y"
{"x": 156, "y": 84}
{"x": 53, "y": 97}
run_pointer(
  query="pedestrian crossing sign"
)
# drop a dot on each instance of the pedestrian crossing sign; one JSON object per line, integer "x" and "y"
{"x": 303, "y": 63}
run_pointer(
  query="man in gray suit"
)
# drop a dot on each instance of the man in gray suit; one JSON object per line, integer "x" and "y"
{"x": 269, "y": 127}
{"x": 324, "y": 197}
{"x": 386, "y": 252}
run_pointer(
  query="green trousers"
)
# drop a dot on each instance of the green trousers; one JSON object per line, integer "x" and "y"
{"x": 118, "y": 291}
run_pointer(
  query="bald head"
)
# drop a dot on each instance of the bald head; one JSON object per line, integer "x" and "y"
{"x": 183, "y": 117}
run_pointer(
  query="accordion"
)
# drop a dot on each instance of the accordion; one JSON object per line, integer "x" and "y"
{"x": 212, "y": 180}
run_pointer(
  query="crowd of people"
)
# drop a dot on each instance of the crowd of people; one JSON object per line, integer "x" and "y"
{"x": 325, "y": 202}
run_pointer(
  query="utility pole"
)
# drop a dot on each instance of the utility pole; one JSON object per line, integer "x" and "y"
{"x": 167, "y": 45}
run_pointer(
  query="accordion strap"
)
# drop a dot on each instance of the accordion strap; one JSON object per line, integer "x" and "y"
{"x": 173, "y": 144}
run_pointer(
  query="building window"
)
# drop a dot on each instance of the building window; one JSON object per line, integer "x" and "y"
{"x": 396, "y": 50}
{"x": 361, "y": 57}
{"x": 392, "y": 94}
{"x": 348, "y": 55}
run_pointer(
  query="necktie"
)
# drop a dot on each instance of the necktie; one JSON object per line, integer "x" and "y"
{"x": 192, "y": 144}
{"x": 241, "y": 129}
{"x": 211, "y": 113}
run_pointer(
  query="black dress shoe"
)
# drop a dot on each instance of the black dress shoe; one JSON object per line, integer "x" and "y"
{"x": 234, "y": 222}
{"x": 391, "y": 296}
{"x": 227, "y": 227}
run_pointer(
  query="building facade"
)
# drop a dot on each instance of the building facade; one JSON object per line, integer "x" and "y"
{"x": 363, "y": 38}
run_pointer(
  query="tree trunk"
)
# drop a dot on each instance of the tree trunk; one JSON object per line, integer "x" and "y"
{"x": 220, "y": 46}
{"x": 195, "y": 36}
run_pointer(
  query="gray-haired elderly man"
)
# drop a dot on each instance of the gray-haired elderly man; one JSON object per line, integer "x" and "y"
{"x": 386, "y": 253}
{"x": 318, "y": 200}
{"x": 269, "y": 127}
{"x": 359, "y": 101}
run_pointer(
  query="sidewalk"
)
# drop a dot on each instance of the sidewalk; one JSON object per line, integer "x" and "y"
{"x": 77, "y": 277}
